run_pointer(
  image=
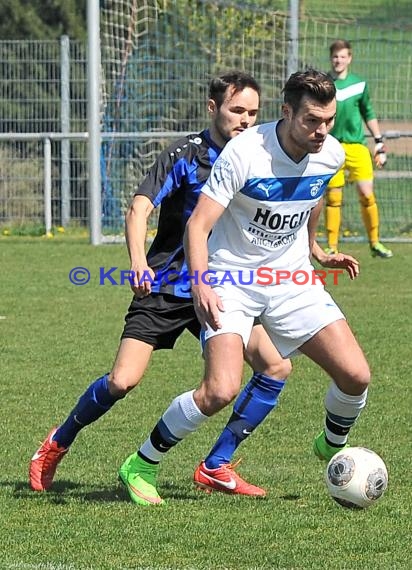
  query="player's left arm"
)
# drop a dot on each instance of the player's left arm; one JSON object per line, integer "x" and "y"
{"x": 372, "y": 123}
{"x": 336, "y": 260}
{"x": 313, "y": 223}
{"x": 379, "y": 153}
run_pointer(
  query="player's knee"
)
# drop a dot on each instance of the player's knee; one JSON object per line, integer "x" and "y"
{"x": 213, "y": 396}
{"x": 279, "y": 369}
{"x": 367, "y": 201}
{"x": 362, "y": 378}
{"x": 219, "y": 399}
{"x": 357, "y": 380}
{"x": 120, "y": 383}
{"x": 334, "y": 198}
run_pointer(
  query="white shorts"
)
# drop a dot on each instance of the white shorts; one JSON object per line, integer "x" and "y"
{"x": 291, "y": 314}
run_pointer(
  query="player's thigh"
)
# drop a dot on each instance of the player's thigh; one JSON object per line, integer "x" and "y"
{"x": 152, "y": 323}
{"x": 223, "y": 356}
{"x": 223, "y": 348}
{"x": 262, "y": 355}
{"x": 293, "y": 316}
{"x": 130, "y": 364}
{"x": 159, "y": 319}
{"x": 358, "y": 163}
{"x": 241, "y": 306}
{"x": 365, "y": 190}
{"x": 337, "y": 351}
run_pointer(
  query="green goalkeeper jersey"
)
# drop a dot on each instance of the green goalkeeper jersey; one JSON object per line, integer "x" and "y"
{"x": 353, "y": 108}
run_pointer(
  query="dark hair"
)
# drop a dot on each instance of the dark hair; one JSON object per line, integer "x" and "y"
{"x": 338, "y": 45}
{"x": 310, "y": 83}
{"x": 239, "y": 80}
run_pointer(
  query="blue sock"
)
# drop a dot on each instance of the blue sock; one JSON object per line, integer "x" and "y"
{"x": 95, "y": 402}
{"x": 257, "y": 399}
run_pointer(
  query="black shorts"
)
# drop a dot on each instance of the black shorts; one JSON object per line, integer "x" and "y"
{"x": 159, "y": 319}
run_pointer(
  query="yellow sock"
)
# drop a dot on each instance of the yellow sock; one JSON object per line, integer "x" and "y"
{"x": 333, "y": 216}
{"x": 370, "y": 217}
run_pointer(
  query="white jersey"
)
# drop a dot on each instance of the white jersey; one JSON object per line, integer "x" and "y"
{"x": 268, "y": 199}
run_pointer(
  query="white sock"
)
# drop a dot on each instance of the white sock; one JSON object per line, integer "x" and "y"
{"x": 342, "y": 411}
{"x": 180, "y": 419}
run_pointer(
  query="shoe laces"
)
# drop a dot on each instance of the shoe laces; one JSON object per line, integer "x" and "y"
{"x": 231, "y": 466}
{"x": 240, "y": 482}
{"x": 54, "y": 452}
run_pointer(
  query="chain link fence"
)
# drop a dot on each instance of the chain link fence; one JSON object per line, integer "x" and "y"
{"x": 157, "y": 60}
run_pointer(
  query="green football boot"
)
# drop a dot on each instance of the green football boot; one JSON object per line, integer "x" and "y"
{"x": 379, "y": 250}
{"x": 139, "y": 478}
{"x": 324, "y": 450}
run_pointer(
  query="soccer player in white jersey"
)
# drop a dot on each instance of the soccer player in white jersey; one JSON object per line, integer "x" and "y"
{"x": 262, "y": 202}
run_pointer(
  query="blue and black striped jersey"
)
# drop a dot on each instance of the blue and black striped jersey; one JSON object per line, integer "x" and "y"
{"x": 174, "y": 183}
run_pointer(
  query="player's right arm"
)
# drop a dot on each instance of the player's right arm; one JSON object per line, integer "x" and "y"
{"x": 207, "y": 303}
{"x": 136, "y": 230}
{"x": 165, "y": 177}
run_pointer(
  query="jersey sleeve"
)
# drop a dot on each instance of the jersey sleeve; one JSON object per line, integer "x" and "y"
{"x": 365, "y": 106}
{"x": 340, "y": 157}
{"x": 228, "y": 174}
{"x": 167, "y": 173}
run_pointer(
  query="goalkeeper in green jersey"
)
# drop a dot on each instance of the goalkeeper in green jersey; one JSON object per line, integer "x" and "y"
{"x": 353, "y": 109}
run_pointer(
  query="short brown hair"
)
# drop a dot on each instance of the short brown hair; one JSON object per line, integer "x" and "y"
{"x": 237, "y": 79}
{"x": 337, "y": 45}
{"x": 314, "y": 84}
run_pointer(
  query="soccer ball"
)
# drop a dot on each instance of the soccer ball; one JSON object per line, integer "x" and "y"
{"x": 356, "y": 477}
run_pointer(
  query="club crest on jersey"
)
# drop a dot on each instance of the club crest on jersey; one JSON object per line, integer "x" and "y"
{"x": 316, "y": 187}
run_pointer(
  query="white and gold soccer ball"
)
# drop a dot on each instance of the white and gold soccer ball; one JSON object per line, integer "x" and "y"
{"x": 356, "y": 477}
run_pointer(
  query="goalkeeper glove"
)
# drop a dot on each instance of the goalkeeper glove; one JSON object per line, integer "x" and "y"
{"x": 379, "y": 154}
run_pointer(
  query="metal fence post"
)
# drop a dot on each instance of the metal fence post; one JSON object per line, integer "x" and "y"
{"x": 93, "y": 111}
{"x": 47, "y": 185}
{"x": 65, "y": 128}
{"x": 293, "y": 39}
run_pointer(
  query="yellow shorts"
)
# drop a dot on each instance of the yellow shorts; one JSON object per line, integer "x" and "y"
{"x": 358, "y": 165}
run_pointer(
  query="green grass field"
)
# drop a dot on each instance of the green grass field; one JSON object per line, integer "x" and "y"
{"x": 56, "y": 338}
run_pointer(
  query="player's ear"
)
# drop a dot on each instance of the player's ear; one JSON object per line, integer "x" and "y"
{"x": 211, "y": 106}
{"x": 286, "y": 111}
